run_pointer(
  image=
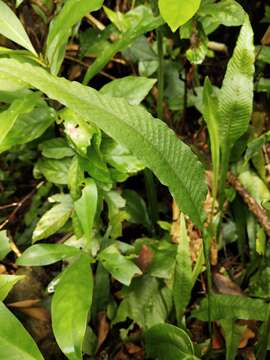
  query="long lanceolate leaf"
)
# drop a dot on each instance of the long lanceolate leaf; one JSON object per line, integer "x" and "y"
{"x": 236, "y": 97}
{"x": 11, "y": 27}
{"x": 147, "y": 138}
{"x": 61, "y": 26}
{"x": 70, "y": 307}
{"x": 143, "y": 21}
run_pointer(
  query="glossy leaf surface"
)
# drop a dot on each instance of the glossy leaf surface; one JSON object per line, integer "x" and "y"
{"x": 70, "y": 307}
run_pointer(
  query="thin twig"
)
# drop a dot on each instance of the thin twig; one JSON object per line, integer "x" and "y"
{"x": 71, "y": 58}
{"x": 20, "y": 204}
{"x": 252, "y": 204}
{"x": 7, "y": 206}
{"x": 93, "y": 21}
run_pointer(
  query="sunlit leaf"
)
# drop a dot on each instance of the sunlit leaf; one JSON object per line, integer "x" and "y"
{"x": 70, "y": 307}
{"x": 167, "y": 342}
{"x": 121, "y": 268}
{"x": 46, "y": 254}
{"x": 177, "y": 13}
{"x": 15, "y": 342}
{"x": 11, "y": 27}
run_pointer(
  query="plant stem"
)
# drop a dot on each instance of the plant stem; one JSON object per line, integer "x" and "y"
{"x": 160, "y": 74}
{"x": 151, "y": 196}
{"x": 206, "y": 246}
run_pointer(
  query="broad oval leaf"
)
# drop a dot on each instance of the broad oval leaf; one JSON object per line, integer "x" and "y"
{"x": 167, "y": 342}
{"x": 15, "y": 342}
{"x": 46, "y": 254}
{"x": 149, "y": 139}
{"x": 231, "y": 307}
{"x": 11, "y": 28}
{"x": 61, "y": 26}
{"x": 121, "y": 268}
{"x": 70, "y": 307}
{"x": 36, "y": 122}
{"x": 19, "y": 107}
{"x": 132, "y": 88}
{"x": 52, "y": 221}
{"x": 176, "y": 12}
{"x": 144, "y": 303}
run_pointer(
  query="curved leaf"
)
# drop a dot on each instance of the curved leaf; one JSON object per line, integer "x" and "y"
{"x": 177, "y": 13}
{"x": 70, "y": 307}
{"x": 236, "y": 96}
{"x": 6, "y": 284}
{"x": 167, "y": 342}
{"x": 121, "y": 268}
{"x": 15, "y": 342}
{"x": 149, "y": 139}
{"x": 45, "y": 254}
{"x": 132, "y": 88}
{"x": 136, "y": 22}
{"x": 61, "y": 26}
{"x": 11, "y": 28}
{"x": 52, "y": 221}
{"x": 85, "y": 208}
{"x": 231, "y": 307}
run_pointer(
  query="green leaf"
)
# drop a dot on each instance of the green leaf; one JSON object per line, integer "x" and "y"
{"x": 46, "y": 254}
{"x": 70, "y": 307}
{"x": 144, "y": 303}
{"x": 132, "y": 88}
{"x": 4, "y": 244}
{"x": 75, "y": 178}
{"x": 167, "y": 342}
{"x": 255, "y": 186}
{"x": 36, "y": 122}
{"x": 17, "y": 108}
{"x": 236, "y": 96}
{"x": 182, "y": 284}
{"x": 86, "y": 207}
{"x": 55, "y": 149}
{"x": 231, "y": 307}
{"x": 55, "y": 171}
{"x": 233, "y": 334}
{"x": 147, "y": 138}
{"x": 177, "y": 13}
{"x": 6, "y": 284}
{"x": 137, "y": 22}
{"x": 15, "y": 342}
{"x": 136, "y": 208}
{"x": 254, "y": 146}
{"x": 121, "y": 268}
{"x": 78, "y": 132}
{"x": 11, "y": 28}
{"x": 61, "y": 26}
{"x": 52, "y": 221}
{"x": 210, "y": 114}
{"x": 119, "y": 157}
{"x": 225, "y": 12}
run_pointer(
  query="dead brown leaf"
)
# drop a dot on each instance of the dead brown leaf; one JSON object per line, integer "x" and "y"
{"x": 103, "y": 328}
{"x": 266, "y": 37}
{"x": 38, "y": 313}
{"x": 225, "y": 285}
{"x": 145, "y": 258}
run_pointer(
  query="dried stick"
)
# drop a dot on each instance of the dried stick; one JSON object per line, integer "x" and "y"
{"x": 252, "y": 204}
